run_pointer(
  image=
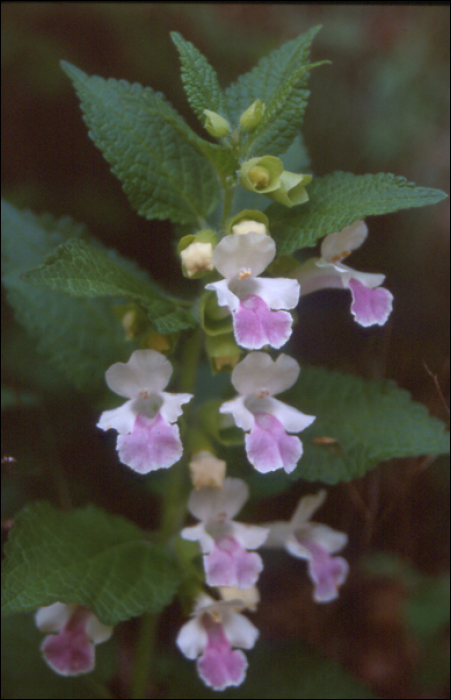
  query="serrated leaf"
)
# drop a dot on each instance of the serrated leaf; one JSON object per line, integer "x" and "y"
{"x": 339, "y": 199}
{"x": 85, "y": 556}
{"x": 279, "y": 81}
{"x": 199, "y": 79}
{"x": 80, "y": 337}
{"x": 80, "y": 269}
{"x": 150, "y": 148}
{"x": 359, "y": 424}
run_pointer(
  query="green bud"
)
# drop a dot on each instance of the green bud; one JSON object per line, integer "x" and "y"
{"x": 216, "y": 125}
{"x": 214, "y": 319}
{"x": 252, "y": 116}
{"x": 261, "y": 174}
{"x": 133, "y": 319}
{"x": 223, "y": 352}
{"x": 291, "y": 190}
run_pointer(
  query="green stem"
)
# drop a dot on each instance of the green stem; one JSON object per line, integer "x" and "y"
{"x": 144, "y": 655}
{"x": 229, "y": 193}
{"x": 173, "y": 514}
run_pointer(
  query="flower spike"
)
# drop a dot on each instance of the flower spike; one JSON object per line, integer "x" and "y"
{"x": 371, "y": 303}
{"x": 147, "y": 438}
{"x": 223, "y": 541}
{"x": 257, "y": 379}
{"x": 254, "y": 302}
{"x": 314, "y": 542}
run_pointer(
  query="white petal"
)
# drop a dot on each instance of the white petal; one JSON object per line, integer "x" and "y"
{"x": 210, "y": 504}
{"x": 278, "y": 293}
{"x": 171, "y": 407}
{"x": 121, "y": 419}
{"x": 243, "y": 418}
{"x": 225, "y": 296}
{"x": 337, "y": 244}
{"x": 97, "y": 631}
{"x": 292, "y": 420}
{"x": 249, "y": 536}
{"x": 146, "y": 371}
{"x": 306, "y": 507}
{"x": 259, "y": 373}
{"x": 279, "y": 531}
{"x": 239, "y": 630}
{"x": 197, "y": 533}
{"x": 369, "y": 279}
{"x": 250, "y": 251}
{"x": 52, "y": 618}
{"x": 192, "y": 639}
{"x": 332, "y": 540}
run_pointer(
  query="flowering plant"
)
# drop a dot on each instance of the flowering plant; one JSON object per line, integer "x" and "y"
{"x": 210, "y": 443}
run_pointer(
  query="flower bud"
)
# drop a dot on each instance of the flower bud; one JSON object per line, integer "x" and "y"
{"x": 291, "y": 190}
{"x": 246, "y": 221}
{"x": 252, "y": 116}
{"x": 261, "y": 174}
{"x": 214, "y": 319}
{"x": 216, "y": 125}
{"x": 207, "y": 471}
{"x": 196, "y": 252}
{"x": 133, "y": 319}
{"x": 223, "y": 352}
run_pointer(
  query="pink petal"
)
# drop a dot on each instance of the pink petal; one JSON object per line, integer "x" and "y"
{"x": 269, "y": 447}
{"x": 231, "y": 565}
{"x": 370, "y": 306}
{"x": 70, "y": 652}
{"x": 219, "y": 666}
{"x": 327, "y": 573}
{"x": 152, "y": 444}
{"x": 256, "y": 325}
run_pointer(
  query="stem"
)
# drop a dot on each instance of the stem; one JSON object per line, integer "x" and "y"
{"x": 229, "y": 193}
{"x": 174, "y": 506}
{"x": 173, "y": 514}
{"x": 144, "y": 655}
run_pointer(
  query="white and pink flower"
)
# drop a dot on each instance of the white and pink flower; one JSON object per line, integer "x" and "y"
{"x": 148, "y": 439}
{"x": 254, "y": 302}
{"x": 69, "y": 650}
{"x": 224, "y": 542}
{"x": 371, "y": 303}
{"x": 215, "y": 628}
{"x": 314, "y": 542}
{"x": 257, "y": 379}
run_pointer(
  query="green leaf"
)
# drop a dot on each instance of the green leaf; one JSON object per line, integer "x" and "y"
{"x": 150, "y": 148}
{"x": 85, "y": 556}
{"x": 80, "y": 269}
{"x": 365, "y": 422}
{"x": 199, "y": 79}
{"x": 279, "y": 81}
{"x": 80, "y": 337}
{"x": 339, "y": 199}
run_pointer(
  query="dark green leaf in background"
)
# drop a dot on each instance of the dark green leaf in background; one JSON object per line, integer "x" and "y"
{"x": 279, "y": 81}
{"x": 85, "y": 556}
{"x": 199, "y": 79}
{"x": 339, "y": 199}
{"x": 79, "y": 337}
{"x": 370, "y": 421}
{"x": 149, "y": 147}
{"x": 80, "y": 269}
